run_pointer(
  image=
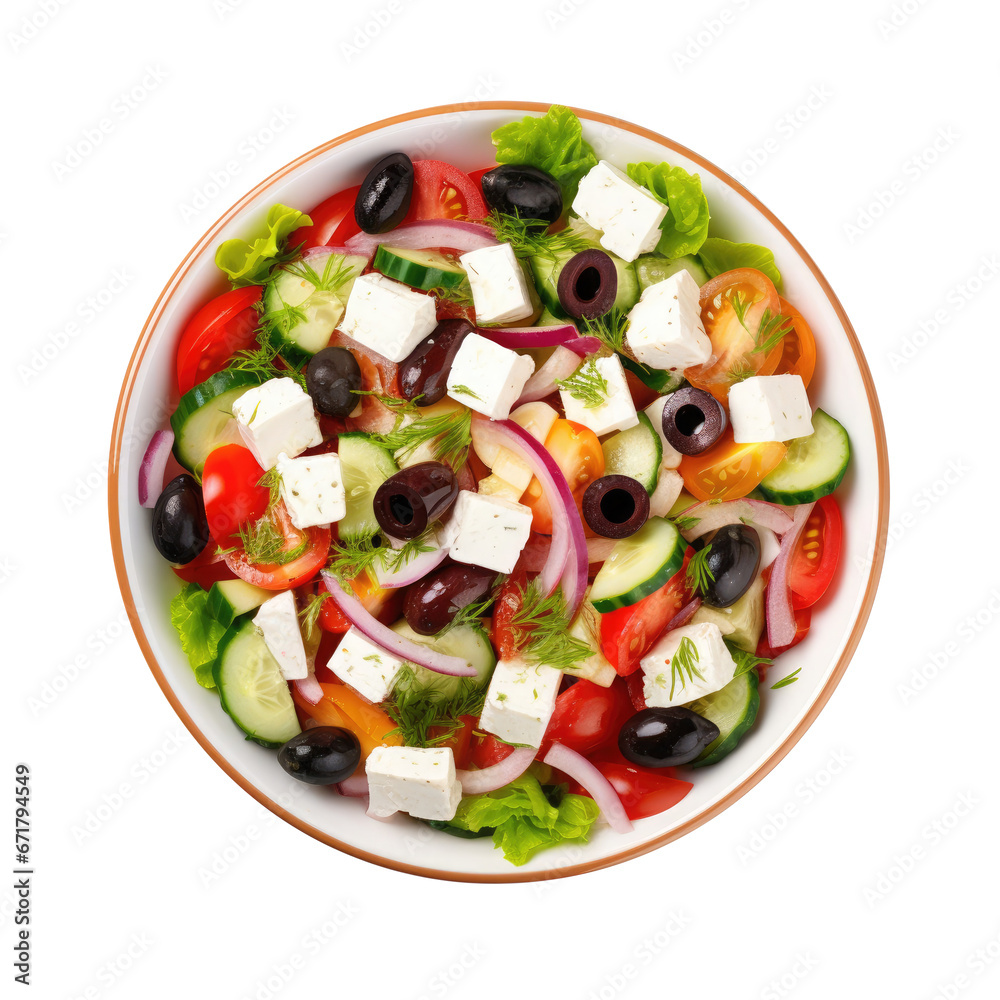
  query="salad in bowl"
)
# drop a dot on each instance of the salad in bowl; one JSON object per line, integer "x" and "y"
{"x": 496, "y": 497}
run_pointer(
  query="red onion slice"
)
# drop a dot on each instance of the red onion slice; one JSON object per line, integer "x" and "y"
{"x": 354, "y": 787}
{"x": 154, "y": 464}
{"x": 714, "y": 515}
{"x": 684, "y": 615}
{"x": 489, "y": 779}
{"x": 309, "y": 688}
{"x": 416, "y": 569}
{"x": 519, "y": 338}
{"x": 567, "y": 562}
{"x": 446, "y": 233}
{"x": 780, "y": 616}
{"x": 584, "y": 345}
{"x": 561, "y": 364}
{"x": 371, "y": 628}
{"x": 596, "y": 785}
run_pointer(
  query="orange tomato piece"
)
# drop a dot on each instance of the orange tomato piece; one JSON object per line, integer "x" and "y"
{"x": 727, "y": 470}
{"x": 798, "y": 355}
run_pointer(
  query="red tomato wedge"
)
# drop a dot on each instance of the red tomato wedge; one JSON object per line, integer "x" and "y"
{"x": 218, "y": 330}
{"x": 587, "y": 716}
{"x": 326, "y": 217}
{"x": 206, "y": 569}
{"x": 643, "y": 791}
{"x": 817, "y": 554}
{"x": 441, "y": 191}
{"x": 230, "y": 484}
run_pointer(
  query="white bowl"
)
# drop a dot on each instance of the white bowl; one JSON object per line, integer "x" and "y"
{"x": 842, "y": 385}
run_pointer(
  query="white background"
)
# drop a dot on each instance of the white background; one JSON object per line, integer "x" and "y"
{"x": 822, "y": 878}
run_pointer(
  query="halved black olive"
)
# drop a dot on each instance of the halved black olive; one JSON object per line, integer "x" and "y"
{"x": 384, "y": 197}
{"x": 410, "y": 499}
{"x": 615, "y": 506}
{"x": 180, "y": 526}
{"x": 693, "y": 420}
{"x": 588, "y": 284}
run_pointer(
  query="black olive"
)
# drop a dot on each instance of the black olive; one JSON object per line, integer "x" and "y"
{"x": 321, "y": 756}
{"x": 424, "y": 373}
{"x": 733, "y": 559}
{"x": 615, "y": 506}
{"x": 333, "y": 376}
{"x": 433, "y": 602}
{"x": 693, "y": 420}
{"x": 410, "y": 499}
{"x": 665, "y": 737}
{"x": 522, "y": 190}
{"x": 588, "y": 284}
{"x": 384, "y": 197}
{"x": 180, "y": 526}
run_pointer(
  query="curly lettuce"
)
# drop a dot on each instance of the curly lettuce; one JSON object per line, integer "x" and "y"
{"x": 199, "y": 631}
{"x": 685, "y": 227}
{"x": 248, "y": 262}
{"x": 718, "y": 256}
{"x": 554, "y": 143}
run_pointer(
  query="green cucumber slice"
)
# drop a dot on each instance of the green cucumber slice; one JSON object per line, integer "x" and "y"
{"x": 365, "y": 466}
{"x": 658, "y": 380}
{"x": 734, "y": 710}
{"x": 305, "y": 300}
{"x": 650, "y": 269}
{"x": 638, "y": 565}
{"x": 813, "y": 466}
{"x": 252, "y": 689}
{"x": 228, "y": 599}
{"x": 423, "y": 269}
{"x": 635, "y": 452}
{"x": 546, "y": 270}
{"x": 204, "y": 421}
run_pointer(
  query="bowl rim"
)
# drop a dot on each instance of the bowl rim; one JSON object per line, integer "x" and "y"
{"x": 764, "y": 768}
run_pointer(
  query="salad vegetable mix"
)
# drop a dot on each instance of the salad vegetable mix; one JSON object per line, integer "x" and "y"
{"x": 495, "y": 495}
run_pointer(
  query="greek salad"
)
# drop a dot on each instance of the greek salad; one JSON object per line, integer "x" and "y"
{"x": 495, "y": 495}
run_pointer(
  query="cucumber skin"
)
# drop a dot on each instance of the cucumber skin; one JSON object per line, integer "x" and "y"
{"x": 794, "y": 498}
{"x": 648, "y": 481}
{"x": 729, "y": 743}
{"x": 653, "y": 583}
{"x": 425, "y": 277}
{"x": 662, "y": 382}
{"x": 234, "y": 630}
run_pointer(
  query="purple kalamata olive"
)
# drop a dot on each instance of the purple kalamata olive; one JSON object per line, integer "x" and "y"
{"x": 412, "y": 498}
{"x": 423, "y": 375}
{"x": 588, "y": 284}
{"x": 693, "y": 420}
{"x": 615, "y": 506}
{"x": 433, "y": 602}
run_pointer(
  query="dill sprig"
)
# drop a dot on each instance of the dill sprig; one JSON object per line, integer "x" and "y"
{"x": 785, "y": 681}
{"x": 354, "y": 554}
{"x": 416, "y": 712}
{"x": 745, "y": 662}
{"x": 541, "y": 627}
{"x": 531, "y": 238}
{"x": 682, "y": 664}
{"x": 450, "y": 432}
{"x": 685, "y": 522}
{"x": 771, "y": 328}
{"x": 699, "y": 574}
{"x": 464, "y": 390}
{"x": 266, "y": 362}
{"x": 311, "y": 612}
{"x": 265, "y": 544}
{"x": 460, "y": 294}
{"x": 610, "y": 329}
{"x": 470, "y": 614}
{"x": 586, "y": 384}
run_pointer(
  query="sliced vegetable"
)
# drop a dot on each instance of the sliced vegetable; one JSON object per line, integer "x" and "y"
{"x": 780, "y": 617}
{"x": 729, "y": 471}
{"x": 701, "y": 518}
{"x": 813, "y": 466}
{"x": 154, "y": 465}
{"x": 638, "y": 565}
{"x": 449, "y": 234}
{"x": 814, "y": 561}
{"x": 489, "y": 779}
{"x": 423, "y": 269}
{"x": 635, "y": 452}
{"x": 593, "y": 782}
{"x": 365, "y": 466}
{"x": 733, "y": 710}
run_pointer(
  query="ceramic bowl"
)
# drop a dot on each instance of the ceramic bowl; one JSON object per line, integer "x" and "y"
{"x": 842, "y": 385}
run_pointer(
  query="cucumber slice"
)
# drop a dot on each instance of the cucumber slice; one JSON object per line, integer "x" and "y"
{"x": 635, "y": 452}
{"x": 365, "y": 466}
{"x": 304, "y": 302}
{"x": 813, "y": 466}
{"x": 741, "y": 623}
{"x": 652, "y": 268}
{"x": 252, "y": 689}
{"x": 659, "y": 381}
{"x": 228, "y": 599}
{"x": 546, "y": 271}
{"x": 733, "y": 710}
{"x": 638, "y": 565}
{"x": 424, "y": 269}
{"x": 467, "y": 642}
{"x": 204, "y": 421}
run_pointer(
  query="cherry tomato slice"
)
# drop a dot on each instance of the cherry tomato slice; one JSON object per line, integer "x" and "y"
{"x": 507, "y": 641}
{"x": 487, "y": 750}
{"x": 442, "y": 191}
{"x": 218, "y": 330}
{"x": 815, "y": 559}
{"x": 798, "y": 352}
{"x": 230, "y": 484}
{"x": 587, "y": 716}
{"x": 643, "y": 791}
{"x": 326, "y": 218}
{"x": 727, "y": 470}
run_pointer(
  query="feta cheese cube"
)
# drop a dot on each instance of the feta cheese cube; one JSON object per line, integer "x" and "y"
{"x": 664, "y": 327}
{"x": 487, "y": 531}
{"x": 769, "y": 408}
{"x": 420, "y": 781}
{"x": 278, "y": 619}
{"x": 616, "y": 413}
{"x": 500, "y": 291}
{"x": 520, "y": 701}
{"x": 715, "y": 663}
{"x": 276, "y": 417}
{"x": 671, "y": 456}
{"x": 388, "y": 316}
{"x": 626, "y": 212}
{"x": 312, "y": 489}
{"x": 493, "y": 375}
{"x": 362, "y": 665}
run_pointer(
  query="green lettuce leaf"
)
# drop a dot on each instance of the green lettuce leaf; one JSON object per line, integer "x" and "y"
{"x": 248, "y": 263}
{"x": 525, "y": 821}
{"x": 554, "y": 143}
{"x": 718, "y": 256}
{"x": 684, "y": 229}
{"x": 199, "y": 631}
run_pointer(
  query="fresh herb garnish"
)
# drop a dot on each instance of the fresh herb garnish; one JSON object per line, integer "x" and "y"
{"x": 530, "y": 237}
{"x": 416, "y": 712}
{"x": 682, "y": 664}
{"x": 265, "y": 544}
{"x": 586, "y": 384}
{"x": 310, "y": 613}
{"x": 770, "y": 330}
{"x": 460, "y": 294}
{"x": 699, "y": 574}
{"x": 610, "y": 328}
{"x": 353, "y": 554}
{"x": 685, "y": 522}
{"x": 470, "y": 614}
{"x": 264, "y": 361}
{"x": 745, "y": 662}
{"x": 785, "y": 681}
{"x": 451, "y": 433}
{"x": 541, "y": 628}
{"x": 464, "y": 390}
